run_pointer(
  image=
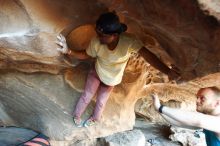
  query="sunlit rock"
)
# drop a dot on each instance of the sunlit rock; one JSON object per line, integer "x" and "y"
{"x": 180, "y": 33}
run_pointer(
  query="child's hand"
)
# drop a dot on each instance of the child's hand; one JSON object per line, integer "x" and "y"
{"x": 61, "y": 41}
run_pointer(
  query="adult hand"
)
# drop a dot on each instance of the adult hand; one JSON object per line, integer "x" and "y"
{"x": 156, "y": 101}
{"x": 61, "y": 41}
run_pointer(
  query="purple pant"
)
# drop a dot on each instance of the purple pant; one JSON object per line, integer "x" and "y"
{"x": 93, "y": 84}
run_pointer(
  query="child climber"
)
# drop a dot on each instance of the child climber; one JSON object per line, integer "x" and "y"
{"x": 111, "y": 49}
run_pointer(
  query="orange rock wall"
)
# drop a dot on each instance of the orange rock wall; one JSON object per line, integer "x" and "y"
{"x": 178, "y": 32}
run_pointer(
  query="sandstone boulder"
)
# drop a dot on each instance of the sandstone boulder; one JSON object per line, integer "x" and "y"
{"x": 39, "y": 89}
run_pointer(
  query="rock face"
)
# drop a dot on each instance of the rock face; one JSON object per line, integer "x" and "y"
{"x": 188, "y": 137}
{"x": 39, "y": 86}
{"x": 128, "y": 138}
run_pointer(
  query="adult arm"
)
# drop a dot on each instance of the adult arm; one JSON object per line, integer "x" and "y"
{"x": 196, "y": 119}
{"x": 177, "y": 123}
{"x": 172, "y": 121}
{"x": 189, "y": 118}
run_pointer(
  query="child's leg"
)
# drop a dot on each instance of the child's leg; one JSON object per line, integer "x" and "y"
{"x": 101, "y": 99}
{"x": 92, "y": 84}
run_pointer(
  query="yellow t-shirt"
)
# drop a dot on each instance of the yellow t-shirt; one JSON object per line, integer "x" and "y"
{"x": 110, "y": 64}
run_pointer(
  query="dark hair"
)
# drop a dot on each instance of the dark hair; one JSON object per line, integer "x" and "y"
{"x": 109, "y": 23}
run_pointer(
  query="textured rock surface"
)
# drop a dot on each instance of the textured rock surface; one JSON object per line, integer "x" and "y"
{"x": 157, "y": 134}
{"x": 211, "y": 6}
{"x": 31, "y": 53}
{"x": 188, "y": 137}
{"x": 41, "y": 102}
{"x": 127, "y": 138}
{"x": 179, "y": 32}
